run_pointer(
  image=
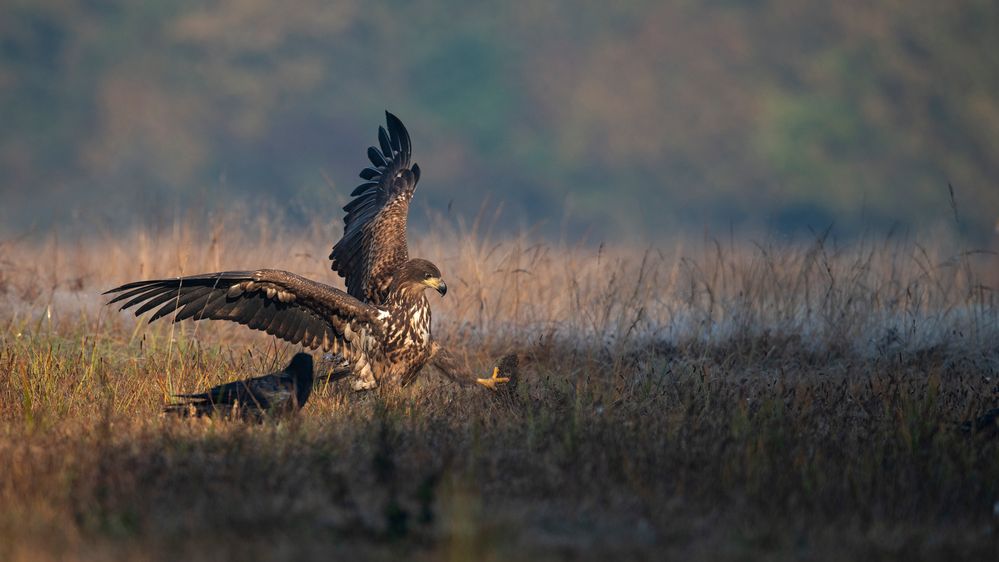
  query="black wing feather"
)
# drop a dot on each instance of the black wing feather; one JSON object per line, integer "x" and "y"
{"x": 398, "y": 134}
{"x": 388, "y": 147}
{"x": 376, "y": 158}
{"x": 161, "y": 298}
{"x": 137, "y": 293}
{"x": 361, "y": 189}
{"x": 370, "y": 174}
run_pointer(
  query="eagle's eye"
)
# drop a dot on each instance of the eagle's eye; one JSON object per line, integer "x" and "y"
{"x": 427, "y": 276}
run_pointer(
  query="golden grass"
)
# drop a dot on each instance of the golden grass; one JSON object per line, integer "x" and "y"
{"x": 703, "y": 399}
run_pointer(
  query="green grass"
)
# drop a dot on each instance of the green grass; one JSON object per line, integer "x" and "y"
{"x": 779, "y": 402}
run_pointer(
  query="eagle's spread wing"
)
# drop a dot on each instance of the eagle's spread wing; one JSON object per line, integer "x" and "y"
{"x": 374, "y": 233}
{"x": 282, "y": 304}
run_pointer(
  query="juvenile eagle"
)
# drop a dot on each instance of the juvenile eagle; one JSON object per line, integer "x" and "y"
{"x": 277, "y": 394}
{"x": 381, "y": 328}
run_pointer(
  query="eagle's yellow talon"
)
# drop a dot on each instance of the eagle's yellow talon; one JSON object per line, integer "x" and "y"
{"x": 494, "y": 380}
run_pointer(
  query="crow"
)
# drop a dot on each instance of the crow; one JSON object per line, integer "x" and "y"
{"x": 275, "y": 395}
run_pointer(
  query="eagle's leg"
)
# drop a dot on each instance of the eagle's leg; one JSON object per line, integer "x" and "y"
{"x": 448, "y": 364}
{"x": 494, "y": 380}
{"x": 365, "y": 379}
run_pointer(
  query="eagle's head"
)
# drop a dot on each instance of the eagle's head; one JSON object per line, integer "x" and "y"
{"x": 416, "y": 275}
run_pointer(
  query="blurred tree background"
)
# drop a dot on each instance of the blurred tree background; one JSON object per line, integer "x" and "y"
{"x": 631, "y": 119}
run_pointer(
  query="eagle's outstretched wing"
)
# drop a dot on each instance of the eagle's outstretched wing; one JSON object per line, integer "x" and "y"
{"x": 374, "y": 229}
{"x": 280, "y": 303}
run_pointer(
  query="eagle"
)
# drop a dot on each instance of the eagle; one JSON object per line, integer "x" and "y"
{"x": 278, "y": 394}
{"x": 381, "y": 326}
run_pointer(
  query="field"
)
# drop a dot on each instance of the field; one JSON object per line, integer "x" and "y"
{"x": 709, "y": 399}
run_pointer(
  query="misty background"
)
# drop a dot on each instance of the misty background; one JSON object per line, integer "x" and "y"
{"x": 627, "y": 121}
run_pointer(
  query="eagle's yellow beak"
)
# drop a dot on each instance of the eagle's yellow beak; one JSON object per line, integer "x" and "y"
{"x": 437, "y": 284}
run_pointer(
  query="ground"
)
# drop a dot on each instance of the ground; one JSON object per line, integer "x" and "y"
{"x": 712, "y": 402}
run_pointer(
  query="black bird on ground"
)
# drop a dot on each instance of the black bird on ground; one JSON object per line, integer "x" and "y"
{"x": 278, "y": 394}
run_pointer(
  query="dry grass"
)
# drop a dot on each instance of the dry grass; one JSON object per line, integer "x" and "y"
{"x": 710, "y": 400}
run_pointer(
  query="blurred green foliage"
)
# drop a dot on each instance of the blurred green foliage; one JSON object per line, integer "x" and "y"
{"x": 620, "y": 120}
